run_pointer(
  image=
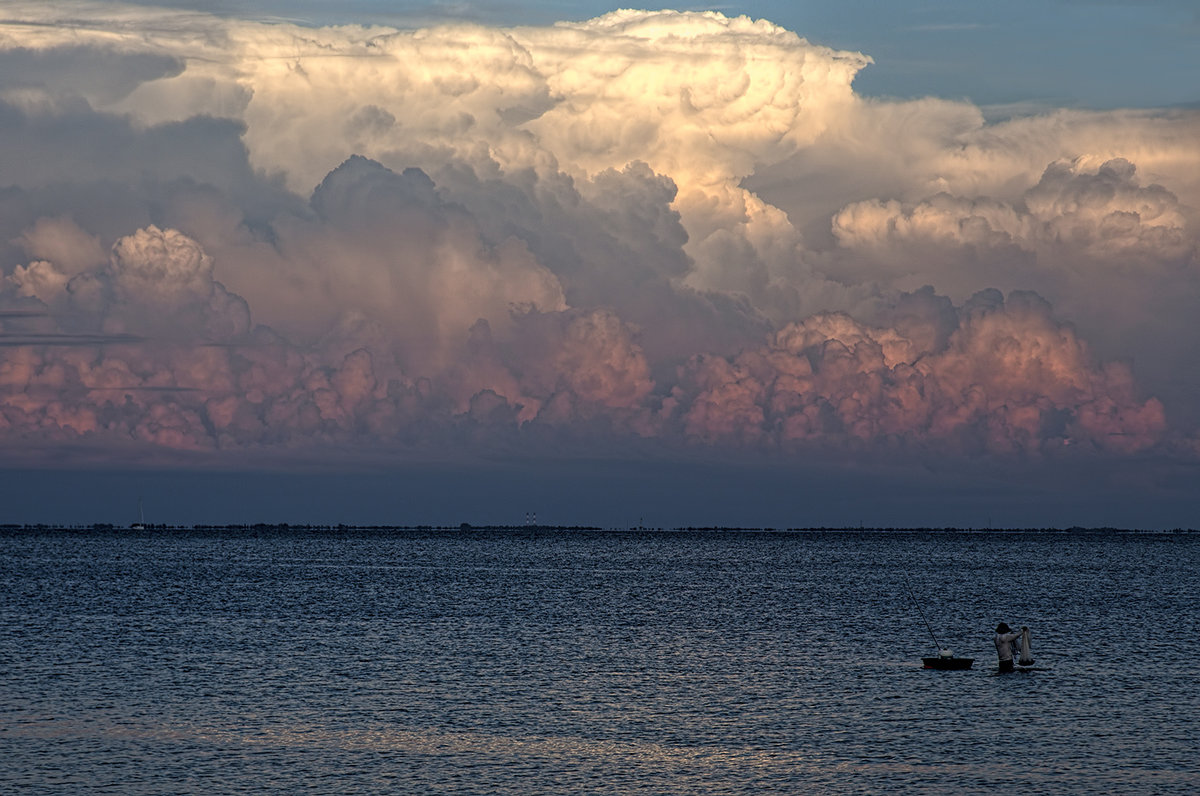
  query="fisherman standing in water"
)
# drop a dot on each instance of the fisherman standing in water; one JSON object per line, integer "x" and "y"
{"x": 1005, "y": 639}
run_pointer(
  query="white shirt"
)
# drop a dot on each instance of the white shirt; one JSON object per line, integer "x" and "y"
{"x": 1004, "y": 643}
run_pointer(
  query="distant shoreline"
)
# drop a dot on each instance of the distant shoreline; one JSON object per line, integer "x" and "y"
{"x": 289, "y": 528}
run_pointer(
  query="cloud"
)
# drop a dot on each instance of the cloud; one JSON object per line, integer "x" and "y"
{"x": 64, "y": 242}
{"x": 524, "y": 98}
{"x": 387, "y": 245}
{"x": 1108, "y": 216}
{"x": 90, "y": 73}
{"x": 992, "y": 376}
{"x": 1106, "y": 247}
{"x": 1097, "y": 214}
{"x": 672, "y": 227}
{"x": 1009, "y": 378}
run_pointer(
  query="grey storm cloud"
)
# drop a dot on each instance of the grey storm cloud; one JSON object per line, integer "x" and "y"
{"x": 662, "y": 228}
{"x": 67, "y": 73}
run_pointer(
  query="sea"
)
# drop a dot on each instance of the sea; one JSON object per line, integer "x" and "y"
{"x": 543, "y": 661}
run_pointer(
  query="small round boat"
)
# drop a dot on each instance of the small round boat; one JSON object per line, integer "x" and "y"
{"x": 946, "y": 661}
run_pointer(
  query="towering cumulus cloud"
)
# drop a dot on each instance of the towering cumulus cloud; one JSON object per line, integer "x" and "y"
{"x": 220, "y": 235}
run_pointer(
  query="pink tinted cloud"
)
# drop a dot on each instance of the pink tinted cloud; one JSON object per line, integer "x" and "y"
{"x": 994, "y": 375}
{"x": 1009, "y": 379}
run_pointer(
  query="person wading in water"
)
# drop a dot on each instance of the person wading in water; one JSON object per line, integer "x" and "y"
{"x": 1005, "y": 638}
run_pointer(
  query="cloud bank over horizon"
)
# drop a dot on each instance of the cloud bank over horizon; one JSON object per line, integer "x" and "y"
{"x": 650, "y": 229}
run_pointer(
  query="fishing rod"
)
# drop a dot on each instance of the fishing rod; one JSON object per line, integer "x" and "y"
{"x": 936, "y": 643}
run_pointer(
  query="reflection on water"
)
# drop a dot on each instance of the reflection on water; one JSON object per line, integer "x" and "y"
{"x": 590, "y": 662}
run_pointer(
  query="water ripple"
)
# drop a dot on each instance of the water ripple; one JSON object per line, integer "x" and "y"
{"x": 599, "y": 662}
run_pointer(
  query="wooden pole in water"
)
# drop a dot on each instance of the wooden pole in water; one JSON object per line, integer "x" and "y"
{"x": 936, "y": 643}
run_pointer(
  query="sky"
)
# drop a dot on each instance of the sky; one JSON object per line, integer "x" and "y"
{"x": 759, "y": 264}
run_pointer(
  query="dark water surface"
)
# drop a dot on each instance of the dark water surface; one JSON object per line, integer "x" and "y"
{"x": 594, "y": 662}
